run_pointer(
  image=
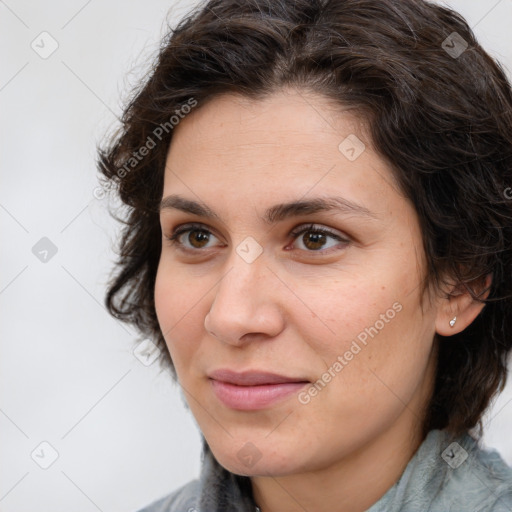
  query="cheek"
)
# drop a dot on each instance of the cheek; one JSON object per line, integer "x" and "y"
{"x": 373, "y": 320}
{"x": 384, "y": 356}
{"x": 178, "y": 309}
{"x": 166, "y": 303}
{"x": 339, "y": 311}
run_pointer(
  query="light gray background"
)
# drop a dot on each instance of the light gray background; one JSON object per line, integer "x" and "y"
{"x": 68, "y": 373}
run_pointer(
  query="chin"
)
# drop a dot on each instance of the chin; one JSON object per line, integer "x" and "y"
{"x": 253, "y": 459}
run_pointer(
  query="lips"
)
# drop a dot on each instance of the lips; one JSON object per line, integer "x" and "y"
{"x": 252, "y": 378}
{"x": 253, "y": 390}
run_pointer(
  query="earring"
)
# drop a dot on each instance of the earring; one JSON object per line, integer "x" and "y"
{"x": 452, "y": 321}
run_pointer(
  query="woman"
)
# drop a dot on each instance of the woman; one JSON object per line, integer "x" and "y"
{"x": 320, "y": 234}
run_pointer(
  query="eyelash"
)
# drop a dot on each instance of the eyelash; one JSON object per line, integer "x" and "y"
{"x": 295, "y": 233}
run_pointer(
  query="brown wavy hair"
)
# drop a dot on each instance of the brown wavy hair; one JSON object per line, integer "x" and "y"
{"x": 439, "y": 111}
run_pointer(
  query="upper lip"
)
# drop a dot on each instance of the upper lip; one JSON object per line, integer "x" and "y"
{"x": 251, "y": 378}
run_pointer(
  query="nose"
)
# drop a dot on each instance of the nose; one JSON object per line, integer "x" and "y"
{"x": 246, "y": 305}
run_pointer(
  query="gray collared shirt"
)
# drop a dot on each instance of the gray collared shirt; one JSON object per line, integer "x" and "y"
{"x": 446, "y": 474}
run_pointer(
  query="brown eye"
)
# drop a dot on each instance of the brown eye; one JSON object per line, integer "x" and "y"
{"x": 191, "y": 237}
{"x": 198, "y": 238}
{"x": 316, "y": 239}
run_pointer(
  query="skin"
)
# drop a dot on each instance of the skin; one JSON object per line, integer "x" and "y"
{"x": 294, "y": 310}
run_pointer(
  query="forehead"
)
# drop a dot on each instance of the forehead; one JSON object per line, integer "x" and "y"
{"x": 287, "y": 144}
{"x": 286, "y": 117}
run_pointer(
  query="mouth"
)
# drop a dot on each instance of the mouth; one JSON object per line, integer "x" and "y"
{"x": 253, "y": 390}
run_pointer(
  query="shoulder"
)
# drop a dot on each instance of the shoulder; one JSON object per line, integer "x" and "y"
{"x": 475, "y": 476}
{"x": 493, "y": 476}
{"x": 450, "y": 474}
{"x": 183, "y": 499}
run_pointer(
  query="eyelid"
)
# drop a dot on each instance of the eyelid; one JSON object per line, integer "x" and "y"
{"x": 319, "y": 228}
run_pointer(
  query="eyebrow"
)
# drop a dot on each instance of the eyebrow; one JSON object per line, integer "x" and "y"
{"x": 276, "y": 213}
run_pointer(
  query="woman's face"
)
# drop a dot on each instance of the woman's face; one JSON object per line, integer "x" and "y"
{"x": 296, "y": 345}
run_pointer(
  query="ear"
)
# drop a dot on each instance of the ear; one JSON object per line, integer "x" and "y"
{"x": 459, "y": 305}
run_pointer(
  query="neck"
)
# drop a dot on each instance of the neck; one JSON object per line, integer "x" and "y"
{"x": 351, "y": 485}
{"x": 357, "y": 480}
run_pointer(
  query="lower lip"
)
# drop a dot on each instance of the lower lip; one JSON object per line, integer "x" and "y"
{"x": 250, "y": 398}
